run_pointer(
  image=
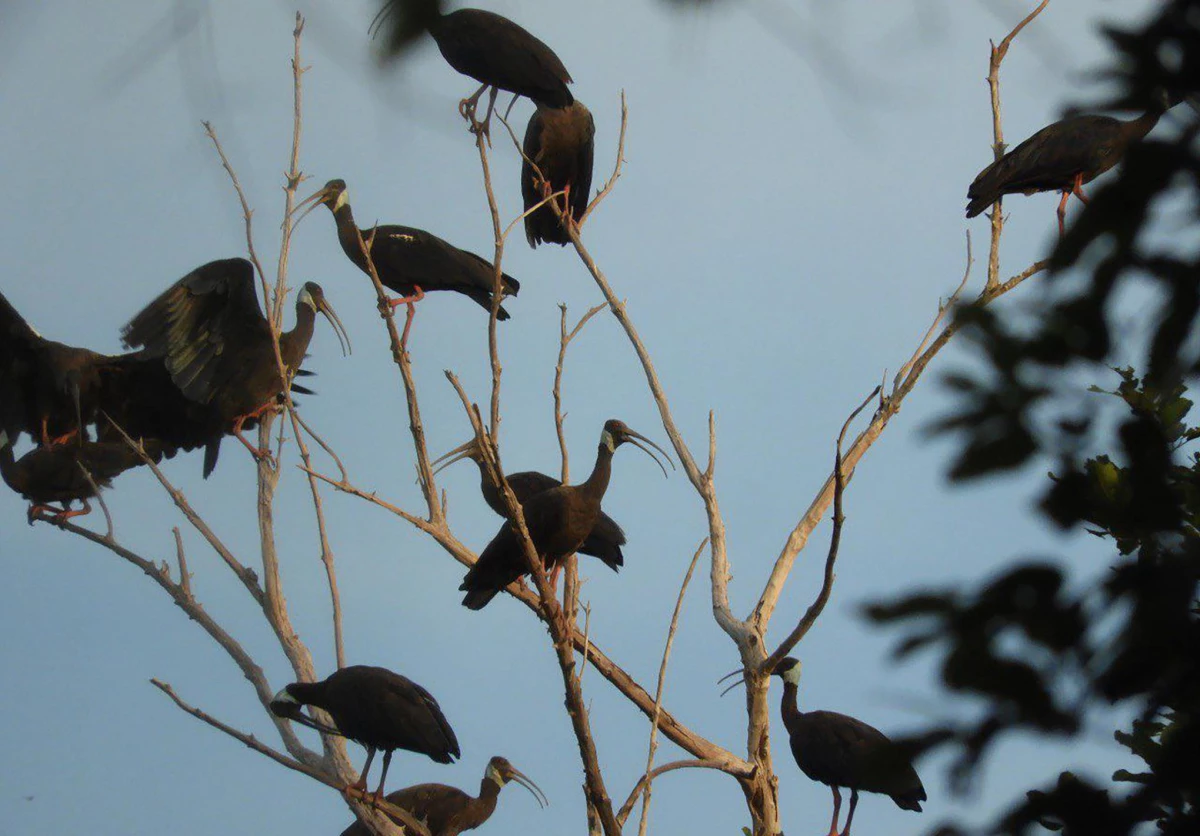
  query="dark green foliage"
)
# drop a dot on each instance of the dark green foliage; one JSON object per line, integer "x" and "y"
{"x": 1038, "y": 652}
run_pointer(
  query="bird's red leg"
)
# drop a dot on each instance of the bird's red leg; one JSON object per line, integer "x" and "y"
{"x": 850, "y": 813}
{"x": 466, "y": 107}
{"x": 47, "y": 441}
{"x": 1062, "y": 213}
{"x": 412, "y": 311}
{"x": 1077, "y": 190}
{"x": 257, "y": 452}
{"x": 837, "y": 806}
{"x": 39, "y": 508}
{"x": 387, "y": 760}
{"x": 67, "y": 513}
{"x": 361, "y": 783}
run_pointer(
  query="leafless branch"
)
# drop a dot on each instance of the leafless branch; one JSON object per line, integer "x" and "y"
{"x": 642, "y": 783}
{"x": 617, "y": 165}
{"x": 937, "y": 320}
{"x": 997, "y": 213}
{"x": 662, "y": 679}
{"x": 108, "y": 520}
{"x": 185, "y": 577}
{"x": 818, "y": 606}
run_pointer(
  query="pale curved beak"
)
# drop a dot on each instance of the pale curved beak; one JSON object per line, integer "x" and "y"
{"x": 343, "y": 337}
{"x": 525, "y": 781}
{"x": 740, "y": 673}
{"x": 634, "y": 437}
{"x": 462, "y": 451}
{"x": 308, "y": 204}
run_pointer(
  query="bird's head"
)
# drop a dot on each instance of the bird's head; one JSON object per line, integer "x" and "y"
{"x": 616, "y": 433}
{"x": 283, "y": 704}
{"x": 332, "y": 194}
{"x": 313, "y": 296}
{"x": 788, "y": 669}
{"x": 501, "y": 772}
{"x": 471, "y": 450}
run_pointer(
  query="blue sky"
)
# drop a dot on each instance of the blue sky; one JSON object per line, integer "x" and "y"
{"x": 789, "y": 215}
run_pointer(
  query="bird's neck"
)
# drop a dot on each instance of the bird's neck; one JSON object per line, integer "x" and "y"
{"x": 788, "y": 705}
{"x": 489, "y": 791}
{"x": 293, "y": 344}
{"x": 1135, "y": 129}
{"x": 597, "y": 482}
{"x": 348, "y": 235}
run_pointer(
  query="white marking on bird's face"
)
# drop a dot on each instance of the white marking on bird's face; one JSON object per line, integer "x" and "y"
{"x": 493, "y": 774}
{"x": 284, "y": 696}
{"x": 792, "y": 676}
{"x": 607, "y": 441}
{"x": 340, "y": 201}
{"x": 306, "y": 298}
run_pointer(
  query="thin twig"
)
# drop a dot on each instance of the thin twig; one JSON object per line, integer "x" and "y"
{"x": 99, "y": 499}
{"x": 937, "y": 320}
{"x": 998, "y": 147}
{"x": 627, "y": 807}
{"x": 185, "y": 577}
{"x": 617, "y": 165}
{"x": 662, "y": 678}
{"x": 818, "y": 606}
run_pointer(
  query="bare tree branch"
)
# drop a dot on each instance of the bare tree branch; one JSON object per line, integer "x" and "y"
{"x": 658, "y": 692}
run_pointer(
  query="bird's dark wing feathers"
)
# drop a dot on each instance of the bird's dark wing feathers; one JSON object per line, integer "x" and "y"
{"x": 839, "y": 750}
{"x": 198, "y": 324}
{"x": 20, "y": 363}
{"x": 491, "y": 48}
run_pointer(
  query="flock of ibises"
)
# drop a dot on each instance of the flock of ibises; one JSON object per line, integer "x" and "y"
{"x": 203, "y": 364}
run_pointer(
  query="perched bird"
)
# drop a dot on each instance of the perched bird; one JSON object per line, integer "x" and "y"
{"x": 560, "y": 142}
{"x": 1062, "y": 157}
{"x": 215, "y": 343}
{"x": 559, "y": 521}
{"x": 47, "y": 389}
{"x": 606, "y": 537}
{"x": 487, "y": 47}
{"x": 54, "y": 392}
{"x": 839, "y": 751}
{"x": 376, "y": 708}
{"x": 57, "y": 474}
{"x": 448, "y": 811}
{"x": 412, "y": 261}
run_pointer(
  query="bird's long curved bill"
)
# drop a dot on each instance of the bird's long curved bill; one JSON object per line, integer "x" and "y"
{"x": 308, "y": 204}
{"x": 634, "y": 438}
{"x": 304, "y": 720}
{"x": 343, "y": 337}
{"x": 534, "y": 790}
{"x": 462, "y": 451}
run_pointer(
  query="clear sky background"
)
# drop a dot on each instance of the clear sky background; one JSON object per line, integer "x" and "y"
{"x": 790, "y": 214}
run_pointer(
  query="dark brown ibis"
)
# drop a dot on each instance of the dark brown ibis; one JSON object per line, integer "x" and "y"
{"x": 54, "y": 391}
{"x": 606, "y": 537}
{"x": 47, "y": 389}
{"x": 215, "y": 343}
{"x": 46, "y": 475}
{"x": 560, "y": 141}
{"x": 411, "y": 261}
{"x": 448, "y": 811}
{"x": 839, "y": 751}
{"x": 376, "y": 708}
{"x": 494, "y": 51}
{"x": 559, "y": 521}
{"x": 1062, "y": 157}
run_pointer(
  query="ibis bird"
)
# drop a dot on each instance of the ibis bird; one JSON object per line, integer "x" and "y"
{"x": 606, "y": 537}
{"x": 412, "y": 261}
{"x": 560, "y": 142}
{"x": 448, "y": 811}
{"x": 54, "y": 391}
{"x": 559, "y": 521}
{"x": 377, "y": 708}
{"x": 66, "y": 473}
{"x": 215, "y": 343}
{"x": 1061, "y": 157}
{"x": 47, "y": 389}
{"x": 839, "y": 751}
{"x": 494, "y": 51}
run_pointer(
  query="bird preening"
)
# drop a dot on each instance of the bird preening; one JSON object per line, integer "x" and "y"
{"x": 840, "y": 751}
{"x": 448, "y": 811}
{"x": 376, "y": 708}
{"x": 1062, "y": 157}
{"x": 560, "y": 519}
